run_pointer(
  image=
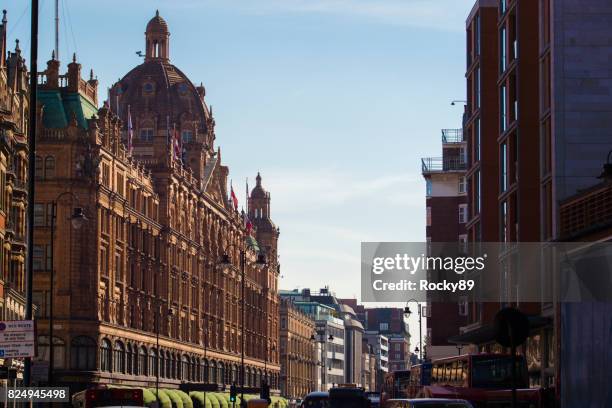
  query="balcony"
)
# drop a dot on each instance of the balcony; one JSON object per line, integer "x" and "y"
{"x": 452, "y": 136}
{"x": 443, "y": 164}
{"x": 20, "y": 186}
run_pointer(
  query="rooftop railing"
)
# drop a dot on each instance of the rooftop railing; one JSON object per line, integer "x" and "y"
{"x": 440, "y": 164}
{"x": 452, "y": 135}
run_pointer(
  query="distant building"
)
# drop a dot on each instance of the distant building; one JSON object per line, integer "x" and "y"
{"x": 298, "y": 356}
{"x": 353, "y": 343}
{"x": 392, "y": 323}
{"x": 379, "y": 345}
{"x": 330, "y": 332}
{"x": 446, "y": 218}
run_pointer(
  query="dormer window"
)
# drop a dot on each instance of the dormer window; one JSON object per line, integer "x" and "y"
{"x": 146, "y": 134}
{"x": 187, "y": 136}
{"x": 148, "y": 88}
{"x": 183, "y": 88}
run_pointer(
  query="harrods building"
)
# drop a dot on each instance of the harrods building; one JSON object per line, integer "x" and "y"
{"x": 144, "y": 260}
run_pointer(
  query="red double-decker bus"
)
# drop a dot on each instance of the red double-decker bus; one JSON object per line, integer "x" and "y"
{"x": 483, "y": 379}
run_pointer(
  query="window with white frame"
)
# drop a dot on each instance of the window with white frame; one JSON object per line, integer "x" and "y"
{"x": 462, "y": 185}
{"x": 462, "y": 213}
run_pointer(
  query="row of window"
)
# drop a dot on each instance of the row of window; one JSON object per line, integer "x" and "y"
{"x": 147, "y": 134}
{"x": 45, "y": 167}
{"x": 138, "y": 360}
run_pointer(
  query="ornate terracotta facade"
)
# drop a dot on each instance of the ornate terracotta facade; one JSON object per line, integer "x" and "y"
{"x": 159, "y": 222}
{"x": 14, "y": 108}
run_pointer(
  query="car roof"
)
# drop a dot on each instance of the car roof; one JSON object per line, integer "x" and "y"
{"x": 319, "y": 394}
{"x": 428, "y": 400}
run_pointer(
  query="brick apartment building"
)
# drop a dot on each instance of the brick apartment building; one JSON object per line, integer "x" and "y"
{"x": 447, "y": 215}
{"x": 391, "y": 323}
{"x": 537, "y": 129}
{"x": 148, "y": 258}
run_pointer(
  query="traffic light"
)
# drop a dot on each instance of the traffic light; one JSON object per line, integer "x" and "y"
{"x": 233, "y": 393}
{"x": 265, "y": 392}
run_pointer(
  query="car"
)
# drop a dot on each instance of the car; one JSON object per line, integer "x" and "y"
{"x": 316, "y": 399}
{"x": 427, "y": 403}
{"x": 374, "y": 398}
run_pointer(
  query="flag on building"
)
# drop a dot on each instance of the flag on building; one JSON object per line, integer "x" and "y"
{"x": 177, "y": 145}
{"x": 233, "y": 196}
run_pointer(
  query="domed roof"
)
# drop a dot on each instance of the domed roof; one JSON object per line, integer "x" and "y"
{"x": 157, "y": 24}
{"x": 258, "y": 191}
{"x": 159, "y": 89}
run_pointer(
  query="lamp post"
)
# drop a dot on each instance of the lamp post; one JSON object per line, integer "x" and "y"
{"x": 77, "y": 220}
{"x": 408, "y": 312}
{"x": 226, "y": 261}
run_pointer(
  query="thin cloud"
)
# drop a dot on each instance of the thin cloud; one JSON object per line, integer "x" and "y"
{"x": 299, "y": 189}
{"x": 447, "y": 15}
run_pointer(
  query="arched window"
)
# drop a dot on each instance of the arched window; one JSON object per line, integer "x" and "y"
{"x": 169, "y": 372}
{"x": 221, "y": 373}
{"x": 213, "y": 373}
{"x": 205, "y": 371}
{"x": 152, "y": 362}
{"x": 83, "y": 353}
{"x": 185, "y": 368}
{"x": 162, "y": 364}
{"x": 130, "y": 359}
{"x": 49, "y": 167}
{"x": 119, "y": 357}
{"x": 39, "y": 168}
{"x": 59, "y": 350}
{"x": 105, "y": 355}
{"x": 195, "y": 369}
{"x": 142, "y": 361}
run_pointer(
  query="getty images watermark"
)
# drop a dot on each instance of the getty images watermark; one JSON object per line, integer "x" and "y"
{"x": 486, "y": 272}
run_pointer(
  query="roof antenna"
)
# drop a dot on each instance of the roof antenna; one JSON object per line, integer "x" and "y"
{"x": 57, "y": 29}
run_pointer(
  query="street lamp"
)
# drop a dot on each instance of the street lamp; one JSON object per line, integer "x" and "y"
{"x": 226, "y": 261}
{"x": 77, "y": 220}
{"x": 408, "y": 312}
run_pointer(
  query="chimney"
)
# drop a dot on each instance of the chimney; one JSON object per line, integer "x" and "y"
{"x": 74, "y": 75}
{"x": 52, "y": 72}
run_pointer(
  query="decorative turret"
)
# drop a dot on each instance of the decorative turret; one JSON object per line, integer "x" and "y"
{"x": 259, "y": 214}
{"x": 157, "y": 39}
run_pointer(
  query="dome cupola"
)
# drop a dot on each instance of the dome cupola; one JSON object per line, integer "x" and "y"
{"x": 157, "y": 38}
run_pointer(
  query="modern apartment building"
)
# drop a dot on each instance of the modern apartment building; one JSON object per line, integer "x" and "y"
{"x": 447, "y": 216}
{"x": 329, "y": 335}
{"x": 537, "y": 128}
{"x": 380, "y": 346}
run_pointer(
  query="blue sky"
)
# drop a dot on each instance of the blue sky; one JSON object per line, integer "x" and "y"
{"x": 334, "y": 101}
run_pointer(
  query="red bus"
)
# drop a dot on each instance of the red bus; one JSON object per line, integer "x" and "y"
{"x": 483, "y": 379}
{"x": 395, "y": 386}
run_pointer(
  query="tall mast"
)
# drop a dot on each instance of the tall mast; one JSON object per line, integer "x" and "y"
{"x": 57, "y": 29}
